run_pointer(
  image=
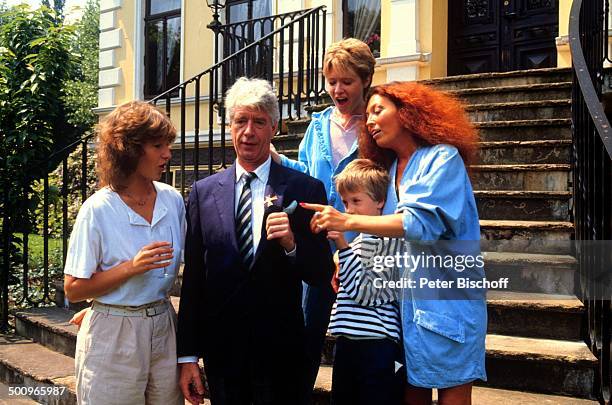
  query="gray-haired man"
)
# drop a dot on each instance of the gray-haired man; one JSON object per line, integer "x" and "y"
{"x": 241, "y": 297}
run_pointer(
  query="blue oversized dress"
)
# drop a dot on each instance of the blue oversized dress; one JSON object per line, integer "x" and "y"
{"x": 444, "y": 339}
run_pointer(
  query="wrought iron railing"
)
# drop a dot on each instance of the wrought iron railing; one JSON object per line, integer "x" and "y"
{"x": 289, "y": 55}
{"x": 27, "y": 275}
{"x": 592, "y": 152}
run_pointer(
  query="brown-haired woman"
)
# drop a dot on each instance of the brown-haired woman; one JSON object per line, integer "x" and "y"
{"x": 124, "y": 255}
{"x": 425, "y": 140}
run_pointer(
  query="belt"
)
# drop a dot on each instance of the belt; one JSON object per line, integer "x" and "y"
{"x": 151, "y": 309}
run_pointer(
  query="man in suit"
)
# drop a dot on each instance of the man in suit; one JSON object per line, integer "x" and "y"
{"x": 241, "y": 296}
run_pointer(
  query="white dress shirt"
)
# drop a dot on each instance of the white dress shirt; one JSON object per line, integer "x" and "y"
{"x": 258, "y": 189}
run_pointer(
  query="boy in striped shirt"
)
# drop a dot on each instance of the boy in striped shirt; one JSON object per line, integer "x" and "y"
{"x": 368, "y": 348}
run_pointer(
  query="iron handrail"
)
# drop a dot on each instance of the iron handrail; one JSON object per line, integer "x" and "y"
{"x": 244, "y": 50}
{"x": 584, "y": 78}
{"x": 290, "y": 14}
{"x": 592, "y": 175}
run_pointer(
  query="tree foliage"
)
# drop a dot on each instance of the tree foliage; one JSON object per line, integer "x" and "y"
{"x": 36, "y": 61}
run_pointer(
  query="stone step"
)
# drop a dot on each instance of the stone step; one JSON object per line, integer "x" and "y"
{"x": 543, "y": 316}
{"x": 523, "y": 110}
{"x": 511, "y": 177}
{"x": 490, "y": 152}
{"x": 29, "y": 364}
{"x": 488, "y": 396}
{"x": 533, "y": 273}
{"x": 524, "y": 92}
{"x": 515, "y": 78}
{"x": 286, "y": 142}
{"x": 532, "y": 152}
{"x": 524, "y": 205}
{"x": 480, "y": 395}
{"x": 525, "y": 130}
{"x": 550, "y": 237}
{"x": 544, "y": 366}
{"x": 515, "y": 130}
{"x": 510, "y": 313}
{"x": 25, "y": 363}
{"x": 521, "y": 177}
{"x": 540, "y": 365}
{"x": 493, "y": 131}
{"x": 297, "y": 127}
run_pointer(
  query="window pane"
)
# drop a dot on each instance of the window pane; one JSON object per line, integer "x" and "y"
{"x": 238, "y": 12}
{"x": 173, "y": 47}
{"x": 364, "y": 22}
{"x": 262, "y": 8}
{"x": 154, "y": 57}
{"x": 161, "y": 6}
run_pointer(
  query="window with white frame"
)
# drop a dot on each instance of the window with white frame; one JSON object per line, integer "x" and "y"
{"x": 162, "y": 46}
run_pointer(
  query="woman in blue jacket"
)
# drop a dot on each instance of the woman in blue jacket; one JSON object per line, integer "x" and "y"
{"x": 425, "y": 140}
{"x": 329, "y": 144}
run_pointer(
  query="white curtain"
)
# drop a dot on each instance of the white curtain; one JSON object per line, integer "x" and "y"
{"x": 367, "y": 17}
{"x": 262, "y": 8}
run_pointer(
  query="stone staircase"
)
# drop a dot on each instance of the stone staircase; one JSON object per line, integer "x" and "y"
{"x": 535, "y": 352}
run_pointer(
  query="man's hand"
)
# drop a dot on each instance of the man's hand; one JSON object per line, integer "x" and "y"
{"x": 338, "y": 238}
{"x": 191, "y": 383}
{"x": 278, "y": 227}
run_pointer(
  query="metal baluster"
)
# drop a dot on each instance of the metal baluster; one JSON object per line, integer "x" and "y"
{"x": 45, "y": 236}
{"x": 211, "y": 115}
{"x": 183, "y": 90}
{"x": 84, "y": 178}
{"x": 281, "y": 73}
{"x": 26, "y": 265}
{"x": 64, "y": 210}
{"x": 168, "y": 172}
{"x": 290, "y": 77}
{"x": 300, "y": 77}
{"x": 196, "y": 132}
{"x": 6, "y": 265}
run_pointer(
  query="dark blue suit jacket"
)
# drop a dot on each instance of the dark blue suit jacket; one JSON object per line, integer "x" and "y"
{"x": 229, "y": 314}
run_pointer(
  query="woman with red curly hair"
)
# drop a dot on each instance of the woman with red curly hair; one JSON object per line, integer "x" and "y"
{"x": 425, "y": 140}
{"x": 124, "y": 255}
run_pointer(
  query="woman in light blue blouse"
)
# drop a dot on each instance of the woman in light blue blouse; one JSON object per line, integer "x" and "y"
{"x": 425, "y": 140}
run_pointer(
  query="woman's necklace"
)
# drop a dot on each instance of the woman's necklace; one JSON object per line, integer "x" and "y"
{"x": 141, "y": 202}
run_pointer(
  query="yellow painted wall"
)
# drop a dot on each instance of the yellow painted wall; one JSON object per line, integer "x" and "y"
{"x": 433, "y": 23}
{"x": 564, "y": 58}
{"x": 199, "y": 40}
{"x": 439, "y": 40}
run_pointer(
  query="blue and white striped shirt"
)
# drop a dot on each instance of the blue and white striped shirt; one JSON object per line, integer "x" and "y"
{"x": 360, "y": 310}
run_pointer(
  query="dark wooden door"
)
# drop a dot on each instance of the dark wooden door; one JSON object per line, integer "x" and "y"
{"x": 501, "y": 35}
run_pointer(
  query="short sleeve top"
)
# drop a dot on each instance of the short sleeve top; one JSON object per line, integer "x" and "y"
{"x": 107, "y": 232}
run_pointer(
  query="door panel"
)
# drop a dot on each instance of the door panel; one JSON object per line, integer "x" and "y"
{"x": 498, "y": 35}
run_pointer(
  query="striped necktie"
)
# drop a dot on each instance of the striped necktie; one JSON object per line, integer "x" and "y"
{"x": 243, "y": 221}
